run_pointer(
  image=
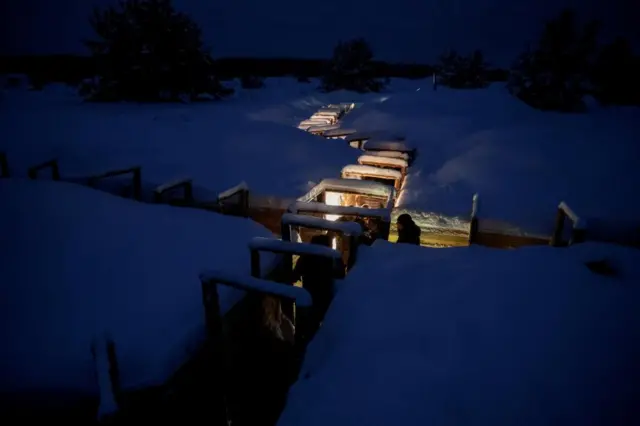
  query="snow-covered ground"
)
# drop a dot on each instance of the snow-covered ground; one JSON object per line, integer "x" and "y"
{"x": 440, "y": 327}
{"x": 77, "y": 264}
{"x": 521, "y": 161}
{"x": 217, "y": 144}
{"x": 476, "y": 336}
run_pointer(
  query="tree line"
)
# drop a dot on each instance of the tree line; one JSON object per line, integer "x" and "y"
{"x": 146, "y": 50}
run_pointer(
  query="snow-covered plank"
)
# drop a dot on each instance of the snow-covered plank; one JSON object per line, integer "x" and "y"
{"x": 389, "y": 154}
{"x": 287, "y": 247}
{"x": 331, "y": 109}
{"x": 323, "y": 128}
{"x": 383, "y": 161}
{"x": 361, "y": 169}
{"x": 242, "y": 186}
{"x": 330, "y": 114}
{"x": 249, "y": 283}
{"x": 339, "y": 132}
{"x": 474, "y": 206}
{"x": 347, "y": 228}
{"x": 387, "y": 145}
{"x": 578, "y": 223}
{"x": 358, "y": 186}
{"x": 359, "y": 136}
{"x": 316, "y": 207}
{"x": 173, "y": 183}
{"x": 313, "y": 120}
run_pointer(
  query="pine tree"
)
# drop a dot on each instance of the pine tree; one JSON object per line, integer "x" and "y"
{"x": 463, "y": 72}
{"x": 554, "y": 75}
{"x": 148, "y": 51}
{"x": 615, "y": 76}
{"x": 351, "y": 68}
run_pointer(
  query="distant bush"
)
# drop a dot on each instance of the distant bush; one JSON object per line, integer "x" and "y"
{"x": 555, "y": 74}
{"x": 351, "y": 68}
{"x": 615, "y": 75}
{"x": 463, "y": 72}
{"x": 147, "y": 51}
{"x": 251, "y": 82}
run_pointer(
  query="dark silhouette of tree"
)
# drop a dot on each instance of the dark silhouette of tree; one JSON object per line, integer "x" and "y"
{"x": 555, "y": 75}
{"x": 615, "y": 75}
{"x": 148, "y": 51}
{"x": 351, "y": 68}
{"x": 463, "y": 72}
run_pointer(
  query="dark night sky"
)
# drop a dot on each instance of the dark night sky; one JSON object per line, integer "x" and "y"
{"x": 399, "y": 30}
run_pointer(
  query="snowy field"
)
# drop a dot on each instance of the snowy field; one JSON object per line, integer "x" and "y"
{"x": 476, "y": 336}
{"x": 521, "y": 161}
{"x": 218, "y": 144}
{"x": 78, "y": 263}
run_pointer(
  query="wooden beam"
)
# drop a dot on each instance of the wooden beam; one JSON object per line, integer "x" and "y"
{"x": 4, "y": 165}
{"x": 51, "y": 164}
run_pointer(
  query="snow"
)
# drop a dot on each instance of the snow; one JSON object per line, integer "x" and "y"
{"x": 242, "y": 186}
{"x": 287, "y": 247}
{"x": 383, "y": 161}
{"x": 387, "y": 145}
{"x": 78, "y": 263}
{"x": 577, "y": 222}
{"x": 172, "y": 183}
{"x": 347, "y": 228}
{"x": 249, "y": 138}
{"x": 426, "y": 219}
{"x": 316, "y": 207}
{"x": 522, "y": 161}
{"x": 476, "y": 336}
{"x": 249, "y": 283}
{"x": 323, "y": 128}
{"x": 389, "y": 154}
{"x": 371, "y": 170}
{"x": 338, "y": 132}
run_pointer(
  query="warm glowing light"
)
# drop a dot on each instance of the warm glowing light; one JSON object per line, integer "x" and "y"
{"x": 332, "y": 199}
{"x": 334, "y": 243}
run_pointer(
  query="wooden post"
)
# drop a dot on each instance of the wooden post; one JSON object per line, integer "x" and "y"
{"x": 4, "y": 165}
{"x": 137, "y": 184}
{"x": 51, "y": 164}
{"x": 578, "y": 236}
{"x": 108, "y": 377}
{"x": 245, "y": 203}
{"x": 473, "y": 226}
{"x": 384, "y": 228}
{"x": 215, "y": 337}
{"x": 353, "y": 251}
{"x": 556, "y": 238}
{"x": 255, "y": 264}
{"x": 285, "y": 231}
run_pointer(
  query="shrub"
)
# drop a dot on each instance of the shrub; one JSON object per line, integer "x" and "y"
{"x": 463, "y": 72}
{"x": 554, "y": 75}
{"x": 147, "y": 51}
{"x": 351, "y": 68}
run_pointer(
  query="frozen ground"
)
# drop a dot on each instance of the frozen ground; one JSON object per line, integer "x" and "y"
{"x": 476, "y": 336}
{"x": 78, "y": 263}
{"x": 521, "y": 161}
